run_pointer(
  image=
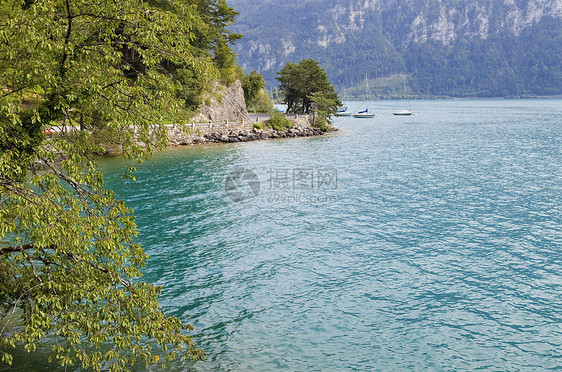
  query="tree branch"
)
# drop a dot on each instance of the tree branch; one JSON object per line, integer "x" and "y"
{"x": 24, "y": 247}
{"x": 19, "y": 248}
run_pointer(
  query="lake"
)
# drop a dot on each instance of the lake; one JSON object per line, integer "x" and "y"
{"x": 429, "y": 242}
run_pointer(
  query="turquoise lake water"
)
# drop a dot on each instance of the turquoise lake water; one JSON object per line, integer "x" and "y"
{"x": 430, "y": 242}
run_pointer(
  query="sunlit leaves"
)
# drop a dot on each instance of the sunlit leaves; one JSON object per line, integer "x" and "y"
{"x": 69, "y": 266}
{"x": 306, "y": 89}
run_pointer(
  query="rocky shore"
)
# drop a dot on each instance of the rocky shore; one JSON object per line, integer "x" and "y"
{"x": 242, "y": 135}
{"x": 228, "y": 121}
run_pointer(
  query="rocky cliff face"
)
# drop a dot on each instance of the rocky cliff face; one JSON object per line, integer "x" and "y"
{"x": 383, "y": 38}
{"x": 223, "y": 104}
{"x": 419, "y": 20}
{"x": 447, "y": 21}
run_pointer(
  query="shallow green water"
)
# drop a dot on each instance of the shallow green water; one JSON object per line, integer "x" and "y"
{"x": 430, "y": 242}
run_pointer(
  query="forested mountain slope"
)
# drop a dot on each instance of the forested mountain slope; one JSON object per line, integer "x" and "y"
{"x": 442, "y": 47}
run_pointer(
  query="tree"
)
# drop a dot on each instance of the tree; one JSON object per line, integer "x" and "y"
{"x": 305, "y": 84}
{"x": 261, "y": 103}
{"x": 252, "y": 84}
{"x": 255, "y": 94}
{"x": 215, "y": 38}
{"x": 69, "y": 267}
{"x": 325, "y": 106}
{"x": 225, "y": 60}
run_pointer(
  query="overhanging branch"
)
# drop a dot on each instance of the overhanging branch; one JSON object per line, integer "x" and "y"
{"x": 19, "y": 248}
{"x": 24, "y": 247}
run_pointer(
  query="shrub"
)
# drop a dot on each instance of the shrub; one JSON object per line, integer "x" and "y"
{"x": 278, "y": 121}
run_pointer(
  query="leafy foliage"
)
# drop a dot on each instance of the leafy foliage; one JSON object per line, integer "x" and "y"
{"x": 325, "y": 106}
{"x": 278, "y": 121}
{"x": 261, "y": 103}
{"x": 306, "y": 88}
{"x": 69, "y": 266}
{"x": 191, "y": 87}
{"x": 252, "y": 84}
{"x": 218, "y": 16}
{"x": 255, "y": 95}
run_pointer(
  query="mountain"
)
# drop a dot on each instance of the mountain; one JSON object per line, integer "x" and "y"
{"x": 440, "y": 47}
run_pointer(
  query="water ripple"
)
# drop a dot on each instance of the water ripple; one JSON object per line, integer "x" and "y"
{"x": 440, "y": 249}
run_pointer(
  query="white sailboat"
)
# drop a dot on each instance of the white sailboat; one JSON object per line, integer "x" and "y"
{"x": 343, "y": 110}
{"x": 365, "y": 114}
{"x": 404, "y": 112}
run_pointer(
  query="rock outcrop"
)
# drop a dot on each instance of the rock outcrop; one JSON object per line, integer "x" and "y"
{"x": 223, "y": 104}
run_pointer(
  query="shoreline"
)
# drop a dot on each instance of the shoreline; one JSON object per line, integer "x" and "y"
{"x": 242, "y": 131}
{"x": 222, "y": 133}
{"x": 234, "y": 136}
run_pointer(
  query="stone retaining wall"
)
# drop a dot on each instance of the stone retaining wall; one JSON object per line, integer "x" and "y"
{"x": 236, "y": 132}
